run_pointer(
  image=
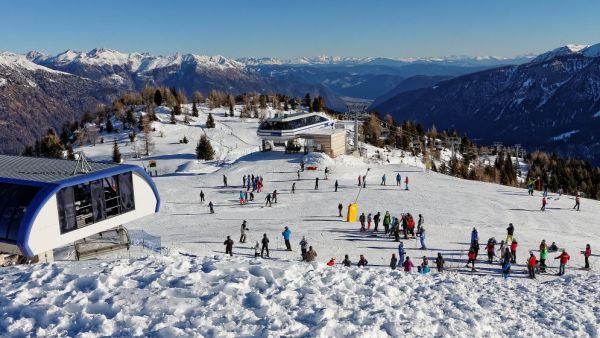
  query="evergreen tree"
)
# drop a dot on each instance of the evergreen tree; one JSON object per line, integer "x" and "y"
{"x": 204, "y": 150}
{"x": 64, "y": 136}
{"x": 286, "y": 107}
{"x": 210, "y": 121}
{"x": 51, "y": 146}
{"x": 194, "y": 110}
{"x": 177, "y": 109}
{"x": 158, "y": 99}
{"x": 307, "y": 101}
{"x": 109, "y": 126}
{"x": 173, "y": 120}
{"x": 70, "y": 152}
{"x": 116, "y": 155}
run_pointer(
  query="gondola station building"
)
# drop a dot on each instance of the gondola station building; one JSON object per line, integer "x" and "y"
{"x": 50, "y": 203}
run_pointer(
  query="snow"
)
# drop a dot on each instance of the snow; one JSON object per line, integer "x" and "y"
{"x": 194, "y": 290}
{"x": 592, "y": 51}
{"x": 564, "y": 136}
{"x": 3, "y": 82}
{"x": 597, "y": 114}
{"x": 19, "y": 61}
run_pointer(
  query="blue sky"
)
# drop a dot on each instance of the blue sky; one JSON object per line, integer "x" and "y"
{"x": 287, "y": 28}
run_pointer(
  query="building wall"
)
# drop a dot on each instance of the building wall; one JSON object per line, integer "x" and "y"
{"x": 45, "y": 233}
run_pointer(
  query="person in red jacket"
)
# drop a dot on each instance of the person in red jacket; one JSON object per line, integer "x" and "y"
{"x": 544, "y": 202}
{"x": 564, "y": 258}
{"x": 490, "y": 247}
{"x": 406, "y": 182}
{"x": 471, "y": 256}
{"x": 513, "y": 251}
{"x": 531, "y": 263}
{"x": 586, "y": 254}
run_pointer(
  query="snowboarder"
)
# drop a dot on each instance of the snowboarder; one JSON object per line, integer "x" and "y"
{"x": 369, "y": 221}
{"x": 586, "y": 254}
{"x": 201, "y": 196}
{"x": 576, "y": 207}
{"x": 316, "y": 183}
{"x": 401, "y": 252}
{"x": 362, "y": 261}
{"x": 362, "y": 220}
{"x": 346, "y": 262}
{"x": 336, "y": 185}
{"x": 228, "y": 246}
{"x": 383, "y": 180}
{"x": 531, "y": 263}
{"x": 311, "y": 254}
{"x": 211, "y": 207}
{"x": 331, "y": 262}
{"x": 243, "y": 230}
{"x": 287, "y": 234}
{"x": 294, "y": 188}
{"x": 439, "y": 262}
{"x": 224, "y": 180}
{"x": 471, "y": 259}
{"x": 303, "y": 247}
{"x": 376, "y": 219}
{"x": 393, "y": 262}
{"x": 398, "y": 179}
{"x": 256, "y": 250}
{"x": 543, "y": 204}
{"x": 340, "y": 207}
{"x": 406, "y": 182}
{"x": 513, "y": 251}
{"x": 387, "y": 219}
{"x": 421, "y": 235}
{"x": 408, "y": 265}
{"x": 265, "y": 246}
{"x": 268, "y": 200}
{"x": 543, "y": 255}
{"x": 564, "y": 258}
{"x": 510, "y": 231}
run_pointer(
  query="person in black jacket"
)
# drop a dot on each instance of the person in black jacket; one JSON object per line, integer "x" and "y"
{"x": 340, "y": 207}
{"x": 265, "y": 246}
{"x": 362, "y": 262}
{"x": 393, "y": 262}
{"x": 376, "y": 219}
{"x": 346, "y": 262}
{"x": 510, "y": 231}
{"x": 228, "y": 246}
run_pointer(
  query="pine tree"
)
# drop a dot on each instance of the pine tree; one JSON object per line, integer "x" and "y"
{"x": 109, "y": 126}
{"x": 286, "y": 107}
{"x": 210, "y": 121}
{"x": 204, "y": 150}
{"x": 51, "y": 146}
{"x": 177, "y": 109}
{"x": 194, "y": 110}
{"x": 116, "y": 156}
{"x": 307, "y": 102}
{"x": 173, "y": 120}
{"x": 158, "y": 99}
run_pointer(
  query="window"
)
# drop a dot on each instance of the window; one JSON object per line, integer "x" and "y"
{"x": 293, "y": 124}
{"x": 14, "y": 201}
{"x": 88, "y": 203}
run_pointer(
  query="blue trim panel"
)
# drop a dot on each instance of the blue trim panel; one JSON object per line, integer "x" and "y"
{"x": 50, "y": 189}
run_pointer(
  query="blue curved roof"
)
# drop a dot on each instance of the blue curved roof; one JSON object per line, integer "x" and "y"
{"x": 51, "y": 175}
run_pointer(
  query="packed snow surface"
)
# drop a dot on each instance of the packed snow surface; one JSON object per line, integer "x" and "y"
{"x": 194, "y": 290}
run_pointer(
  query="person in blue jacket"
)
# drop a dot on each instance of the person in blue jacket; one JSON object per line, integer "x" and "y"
{"x": 398, "y": 179}
{"x": 287, "y": 233}
{"x": 421, "y": 234}
{"x": 401, "y": 253}
{"x": 474, "y": 235}
{"x": 506, "y": 269}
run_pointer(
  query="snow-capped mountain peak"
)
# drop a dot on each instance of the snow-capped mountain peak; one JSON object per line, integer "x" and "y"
{"x": 569, "y": 49}
{"x": 16, "y": 61}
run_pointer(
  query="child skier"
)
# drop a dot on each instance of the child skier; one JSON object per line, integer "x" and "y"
{"x": 421, "y": 235}
{"x": 471, "y": 259}
{"x": 408, "y": 265}
{"x": 346, "y": 262}
{"x": 369, "y": 221}
{"x": 393, "y": 262}
{"x": 439, "y": 262}
{"x": 543, "y": 255}
{"x": 564, "y": 258}
{"x": 401, "y": 252}
{"x": 362, "y": 220}
{"x": 490, "y": 248}
{"x": 531, "y": 263}
{"x": 513, "y": 251}
{"x": 586, "y": 254}
{"x": 362, "y": 261}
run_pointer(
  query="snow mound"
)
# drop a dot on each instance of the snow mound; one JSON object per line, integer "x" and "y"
{"x": 183, "y": 295}
{"x": 318, "y": 159}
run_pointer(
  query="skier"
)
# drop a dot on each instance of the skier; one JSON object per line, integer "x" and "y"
{"x": 326, "y": 172}
{"x": 401, "y": 252}
{"x": 474, "y": 235}
{"x": 265, "y": 246}
{"x": 201, "y": 196}
{"x": 336, "y": 185}
{"x": 275, "y": 196}
{"x": 393, "y": 262}
{"x": 302, "y": 165}
{"x": 362, "y": 220}
{"x": 387, "y": 219}
{"x": 406, "y": 182}
{"x": 256, "y": 250}
{"x": 564, "y": 258}
{"x": 228, "y": 246}
{"x": 408, "y": 265}
{"x": 369, "y": 221}
{"x": 331, "y": 262}
{"x": 513, "y": 251}
{"x": 298, "y": 172}
{"x": 425, "y": 266}
{"x": 439, "y": 262}
{"x": 543, "y": 255}
{"x": 245, "y": 197}
{"x": 396, "y": 230}
{"x": 241, "y": 197}
{"x": 510, "y": 231}
{"x": 346, "y": 262}
{"x": 471, "y": 259}
{"x": 294, "y": 188}
{"x": 340, "y": 207}
{"x": 211, "y": 207}
{"x": 224, "y": 180}
{"x": 531, "y": 263}
{"x": 303, "y": 246}
{"x": 376, "y": 219}
{"x": 398, "y": 179}
{"x": 251, "y": 196}
{"x": 364, "y": 179}
{"x": 490, "y": 247}
{"x": 383, "y": 180}
{"x": 530, "y": 184}
{"x": 244, "y": 181}
{"x": 362, "y": 261}
{"x": 287, "y": 233}
{"x": 359, "y": 180}
{"x": 268, "y": 200}
{"x": 506, "y": 269}
{"x": 586, "y": 254}
{"x": 243, "y": 230}
{"x": 311, "y": 254}
{"x": 421, "y": 235}
{"x": 316, "y": 183}
{"x": 576, "y": 207}
{"x": 543, "y": 204}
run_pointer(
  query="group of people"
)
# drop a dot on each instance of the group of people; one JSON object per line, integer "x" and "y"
{"x": 384, "y": 181}
{"x": 393, "y": 226}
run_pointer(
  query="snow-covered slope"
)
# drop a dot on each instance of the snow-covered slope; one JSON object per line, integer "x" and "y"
{"x": 570, "y": 49}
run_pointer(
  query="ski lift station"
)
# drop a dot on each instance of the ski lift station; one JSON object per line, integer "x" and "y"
{"x": 49, "y": 203}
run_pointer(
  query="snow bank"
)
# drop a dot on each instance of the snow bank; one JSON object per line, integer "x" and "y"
{"x": 180, "y": 295}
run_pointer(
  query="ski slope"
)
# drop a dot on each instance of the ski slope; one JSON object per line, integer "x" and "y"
{"x": 195, "y": 290}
